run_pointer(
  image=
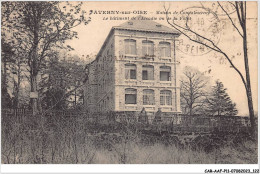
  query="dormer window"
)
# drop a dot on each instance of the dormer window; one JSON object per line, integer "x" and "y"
{"x": 130, "y": 23}
{"x": 158, "y": 25}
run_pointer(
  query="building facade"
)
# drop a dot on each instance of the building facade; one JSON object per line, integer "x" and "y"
{"x": 136, "y": 68}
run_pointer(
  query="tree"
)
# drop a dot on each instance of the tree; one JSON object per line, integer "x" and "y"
{"x": 12, "y": 71}
{"x": 198, "y": 37}
{"x": 17, "y": 78}
{"x": 42, "y": 27}
{"x": 52, "y": 86}
{"x": 219, "y": 102}
{"x": 7, "y": 58}
{"x": 193, "y": 90}
{"x": 61, "y": 75}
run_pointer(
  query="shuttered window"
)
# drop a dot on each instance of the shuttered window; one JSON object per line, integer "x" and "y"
{"x": 165, "y": 49}
{"x": 148, "y": 97}
{"x": 147, "y": 48}
{"x": 165, "y": 73}
{"x": 130, "y": 96}
{"x": 148, "y": 72}
{"x": 130, "y": 46}
{"x": 130, "y": 71}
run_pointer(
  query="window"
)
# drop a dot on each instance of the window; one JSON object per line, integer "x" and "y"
{"x": 148, "y": 97}
{"x": 165, "y": 97}
{"x": 130, "y": 96}
{"x": 165, "y": 73}
{"x": 145, "y": 75}
{"x": 148, "y": 72}
{"x": 147, "y": 48}
{"x": 103, "y": 85}
{"x": 130, "y": 46}
{"x": 165, "y": 49}
{"x": 130, "y": 71}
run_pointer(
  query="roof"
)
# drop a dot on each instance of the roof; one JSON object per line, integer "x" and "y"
{"x": 142, "y": 23}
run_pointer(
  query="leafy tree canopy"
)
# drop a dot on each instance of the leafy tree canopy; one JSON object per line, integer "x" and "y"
{"x": 219, "y": 103}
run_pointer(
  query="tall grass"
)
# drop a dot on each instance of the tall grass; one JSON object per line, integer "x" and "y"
{"x": 59, "y": 140}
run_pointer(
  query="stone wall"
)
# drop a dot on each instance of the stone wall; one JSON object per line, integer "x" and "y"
{"x": 105, "y": 89}
{"x": 156, "y": 61}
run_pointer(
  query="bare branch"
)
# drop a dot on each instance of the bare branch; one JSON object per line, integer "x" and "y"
{"x": 238, "y": 14}
{"x": 242, "y": 14}
{"x": 215, "y": 48}
{"x": 230, "y": 20}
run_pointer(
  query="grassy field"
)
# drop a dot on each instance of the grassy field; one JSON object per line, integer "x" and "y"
{"x": 66, "y": 141}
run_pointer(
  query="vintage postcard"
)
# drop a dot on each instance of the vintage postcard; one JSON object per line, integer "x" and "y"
{"x": 130, "y": 83}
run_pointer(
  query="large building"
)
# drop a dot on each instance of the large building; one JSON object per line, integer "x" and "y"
{"x": 135, "y": 68}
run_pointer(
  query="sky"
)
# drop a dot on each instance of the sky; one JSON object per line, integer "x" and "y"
{"x": 92, "y": 36}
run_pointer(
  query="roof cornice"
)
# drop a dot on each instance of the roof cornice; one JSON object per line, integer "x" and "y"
{"x": 145, "y": 30}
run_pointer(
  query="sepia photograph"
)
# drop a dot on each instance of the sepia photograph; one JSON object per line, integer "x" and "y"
{"x": 120, "y": 82}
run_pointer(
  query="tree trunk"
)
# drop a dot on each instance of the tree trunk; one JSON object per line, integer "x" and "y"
{"x": 18, "y": 82}
{"x": 4, "y": 85}
{"x": 75, "y": 98}
{"x": 34, "y": 89}
{"x": 248, "y": 83}
{"x": 4, "y": 81}
{"x": 251, "y": 112}
{"x": 33, "y": 74}
{"x": 190, "y": 108}
{"x": 248, "y": 87}
{"x": 34, "y": 65}
{"x": 6, "y": 103}
{"x": 16, "y": 89}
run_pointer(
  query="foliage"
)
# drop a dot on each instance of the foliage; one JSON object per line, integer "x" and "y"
{"x": 40, "y": 28}
{"x": 76, "y": 139}
{"x": 219, "y": 102}
{"x": 194, "y": 86}
{"x": 6, "y": 101}
{"x": 61, "y": 75}
{"x": 7, "y": 58}
{"x": 241, "y": 29}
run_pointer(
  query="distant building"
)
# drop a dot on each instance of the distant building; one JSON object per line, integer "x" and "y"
{"x": 135, "y": 68}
